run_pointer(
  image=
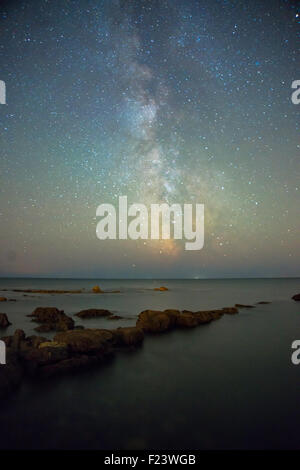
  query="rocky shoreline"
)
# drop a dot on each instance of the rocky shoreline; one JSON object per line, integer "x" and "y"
{"x": 75, "y": 347}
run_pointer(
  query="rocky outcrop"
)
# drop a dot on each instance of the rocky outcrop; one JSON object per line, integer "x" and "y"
{"x": 88, "y": 341}
{"x": 76, "y": 349}
{"x": 46, "y": 328}
{"x": 156, "y": 321}
{"x": 186, "y": 320}
{"x": 4, "y": 323}
{"x": 205, "y": 316}
{"x": 93, "y": 313}
{"x": 51, "y": 319}
{"x": 69, "y": 351}
{"x": 296, "y": 297}
{"x": 36, "y": 358}
{"x": 34, "y": 341}
{"x": 17, "y": 339}
{"x": 153, "y": 321}
{"x": 129, "y": 336}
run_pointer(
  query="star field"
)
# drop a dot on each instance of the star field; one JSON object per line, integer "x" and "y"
{"x": 163, "y": 101}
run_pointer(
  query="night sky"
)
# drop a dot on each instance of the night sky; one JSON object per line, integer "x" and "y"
{"x": 177, "y": 101}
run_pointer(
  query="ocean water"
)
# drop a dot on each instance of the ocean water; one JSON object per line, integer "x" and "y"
{"x": 226, "y": 385}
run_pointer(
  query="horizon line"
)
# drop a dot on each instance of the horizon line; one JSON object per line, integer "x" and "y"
{"x": 147, "y": 278}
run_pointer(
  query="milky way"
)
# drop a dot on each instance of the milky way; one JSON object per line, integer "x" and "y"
{"x": 175, "y": 101}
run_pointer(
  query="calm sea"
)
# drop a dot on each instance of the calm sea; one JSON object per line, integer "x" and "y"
{"x": 226, "y": 385}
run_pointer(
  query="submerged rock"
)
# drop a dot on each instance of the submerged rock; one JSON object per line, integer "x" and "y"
{"x": 4, "y": 323}
{"x": 230, "y": 310}
{"x": 46, "y": 291}
{"x": 244, "y": 306}
{"x": 263, "y": 302}
{"x": 69, "y": 365}
{"x": 93, "y": 312}
{"x": 296, "y": 297}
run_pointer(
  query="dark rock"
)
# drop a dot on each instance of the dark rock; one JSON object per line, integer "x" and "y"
{"x": 46, "y": 314}
{"x": 45, "y": 328}
{"x": 34, "y": 341}
{"x": 244, "y": 306}
{"x": 88, "y": 341}
{"x": 129, "y": 336}
{"x": 115, "y": 317}
{"x": 52, "y": 318}
{"x": 155, "y": 321}
{"x": 205, "y": 316}
{"x": 17, "y": 338}
{"x": 152, "y": 321}
{"x": 3, "y": 299}
{"x": 4, "y": 323}
{"x": 186, "y": 320}
{"x": 93, "y": 312}
{"x": 47, "y": 353}
{"x": 263, "y": 303}
{"x": 296, "y": 297}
